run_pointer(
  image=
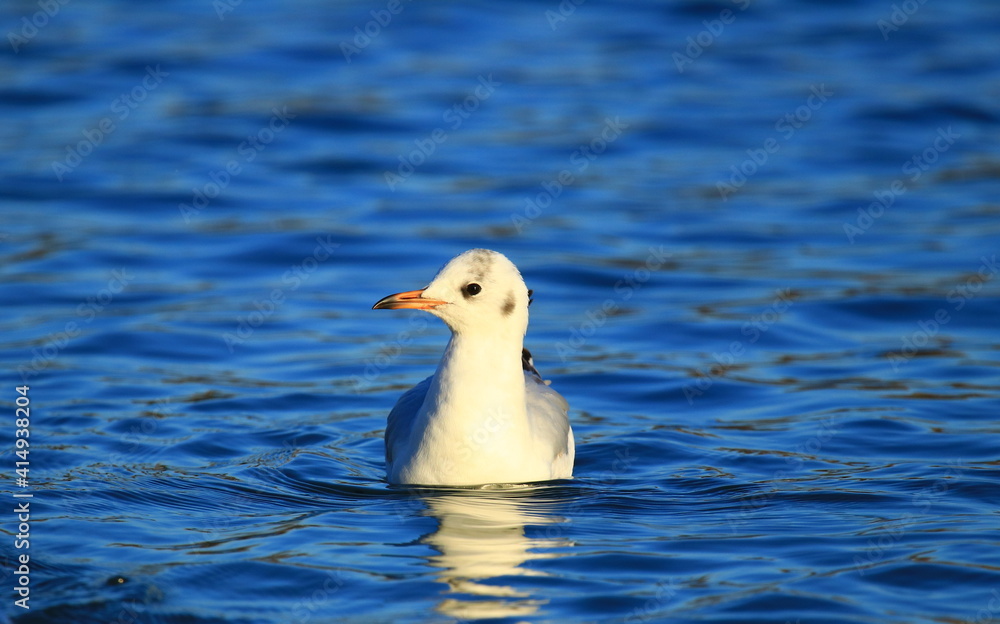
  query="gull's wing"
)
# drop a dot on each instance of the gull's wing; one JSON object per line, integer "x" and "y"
{"x": 400, "y": 422}
{"x": 527, "y": 364}
{"x": 549, "y": 415}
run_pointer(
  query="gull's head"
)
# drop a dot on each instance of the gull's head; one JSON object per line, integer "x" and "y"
{"x": 479, "y": 291}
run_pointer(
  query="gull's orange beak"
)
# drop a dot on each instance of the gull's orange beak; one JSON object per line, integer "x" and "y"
{"x": 409, "y": 299}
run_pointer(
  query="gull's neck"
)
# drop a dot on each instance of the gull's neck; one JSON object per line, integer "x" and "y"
{"x": 481, "y": 376}
{"x": 475, "y": 410}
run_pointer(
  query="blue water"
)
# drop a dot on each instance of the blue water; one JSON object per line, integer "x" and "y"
{"x": 765, "y": 271}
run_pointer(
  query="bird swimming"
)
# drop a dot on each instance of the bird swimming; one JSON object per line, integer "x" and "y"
{"x": 485, "y": 416}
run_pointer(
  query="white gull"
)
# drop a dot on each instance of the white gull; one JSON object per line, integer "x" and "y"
{"x": 485, "y": 416}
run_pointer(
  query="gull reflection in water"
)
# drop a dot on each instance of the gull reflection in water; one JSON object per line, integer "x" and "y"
{"x": 481, "y": 536}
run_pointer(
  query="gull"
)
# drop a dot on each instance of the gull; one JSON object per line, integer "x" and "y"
{"x": 485, "y": 416}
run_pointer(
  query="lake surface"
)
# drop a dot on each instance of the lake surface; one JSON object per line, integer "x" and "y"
{"x": 763, "y": 242}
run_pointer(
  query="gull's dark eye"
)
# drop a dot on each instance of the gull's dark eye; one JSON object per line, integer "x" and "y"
{"x": 472, "y": 290}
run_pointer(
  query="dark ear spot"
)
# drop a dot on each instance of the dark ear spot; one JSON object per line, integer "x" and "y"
{"x": 508, "y": 304}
